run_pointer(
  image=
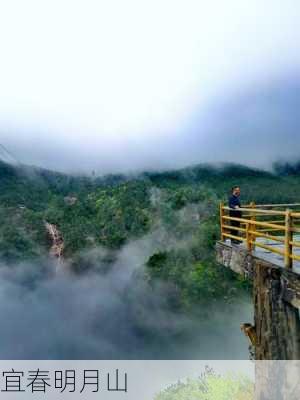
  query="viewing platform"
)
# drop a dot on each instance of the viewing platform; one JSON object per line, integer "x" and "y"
{"x": 273, "y": 257}
{"x": 262, "y": 243}
{"x": 270, "y": 232}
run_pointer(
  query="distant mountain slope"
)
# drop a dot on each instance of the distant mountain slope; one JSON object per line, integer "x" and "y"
{"x": 173, "y": 213}
{"x": 111, "y": 210}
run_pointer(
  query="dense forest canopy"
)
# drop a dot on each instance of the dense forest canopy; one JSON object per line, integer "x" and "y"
{"x": 211, "y": 386}
{"x": 179, "y": 208}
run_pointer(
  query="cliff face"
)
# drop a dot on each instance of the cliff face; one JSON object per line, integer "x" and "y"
{"x": 276, "y": 318}
{"x": 276, "y": 301}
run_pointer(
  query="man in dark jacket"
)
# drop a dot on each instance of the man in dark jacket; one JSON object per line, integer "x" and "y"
{"x": 235, "y": 205}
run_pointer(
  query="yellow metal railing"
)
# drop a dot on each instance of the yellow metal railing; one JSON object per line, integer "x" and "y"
{"x": 276, "y": 223}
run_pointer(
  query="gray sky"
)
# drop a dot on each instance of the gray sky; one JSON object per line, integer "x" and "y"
{"x": 117, "y": 85}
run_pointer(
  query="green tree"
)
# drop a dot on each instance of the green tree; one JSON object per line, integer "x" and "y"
{"x": 210, "y": 387}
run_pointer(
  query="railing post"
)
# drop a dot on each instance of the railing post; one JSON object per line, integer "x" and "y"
{"x": 253, "y": 227}
{"x": 221, "y": 221}
{"x": 248, "y": 237}
{"x": 288, "y": 251}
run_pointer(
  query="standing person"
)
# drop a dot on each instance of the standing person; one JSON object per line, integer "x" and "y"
{"x": 235, "y": 205}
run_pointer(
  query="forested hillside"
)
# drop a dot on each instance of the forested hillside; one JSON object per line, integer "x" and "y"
{"x": 211, "y": 386}
{"x": 177, "y": 209}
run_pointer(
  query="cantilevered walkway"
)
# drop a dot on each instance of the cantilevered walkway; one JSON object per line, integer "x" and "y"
{"x": 270, "y": 232}
{"x": 269, "y": 256}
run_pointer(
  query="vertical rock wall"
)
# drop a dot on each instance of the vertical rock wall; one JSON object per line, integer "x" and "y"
{"x": 276, "y": 299}
{"x": 277, "y": 321}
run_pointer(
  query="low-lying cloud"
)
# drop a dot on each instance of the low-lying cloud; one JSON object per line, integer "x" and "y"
{"x": 255, "y": 128}
{"x": 108, "y": 314}
{"x": 110, "y": 89}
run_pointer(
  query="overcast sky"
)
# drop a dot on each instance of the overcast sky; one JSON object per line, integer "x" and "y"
{"x": 123, "y": 85}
